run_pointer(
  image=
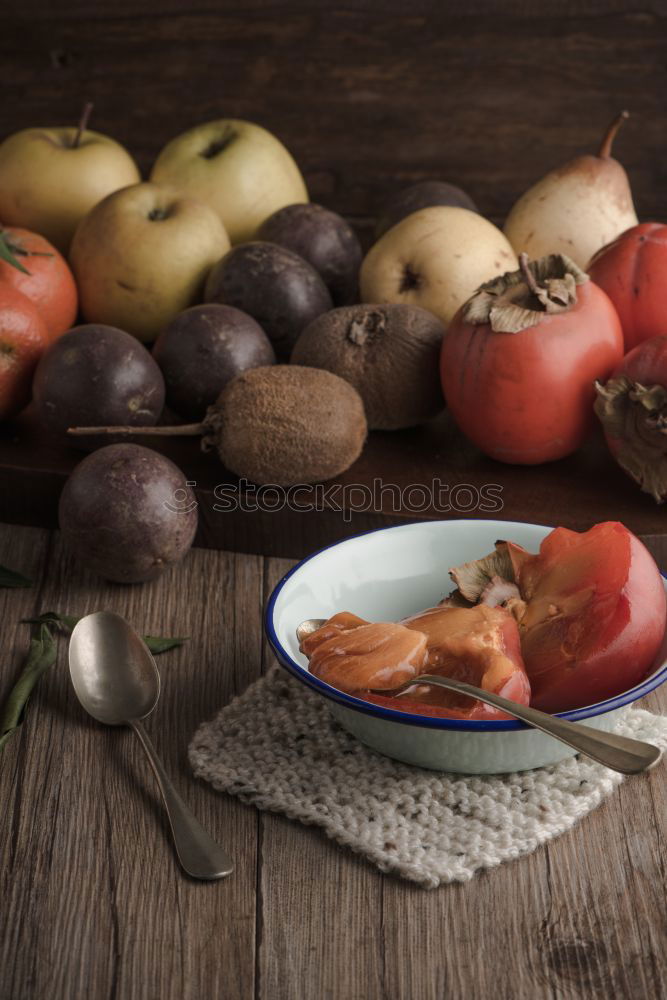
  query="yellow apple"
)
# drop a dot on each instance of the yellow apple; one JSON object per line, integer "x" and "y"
{"x": 435, "y": 258}
{"x": 236, "y": 167}
{"x": 49, "y": 181}
{"x": 142, "y": 255}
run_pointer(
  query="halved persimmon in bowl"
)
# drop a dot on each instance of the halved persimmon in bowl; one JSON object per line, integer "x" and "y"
{"x": 579, "y": 618}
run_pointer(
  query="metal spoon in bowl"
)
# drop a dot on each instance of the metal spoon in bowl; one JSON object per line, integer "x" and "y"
{"x": 117, "y": 682}
{"x": 620, "y": 753}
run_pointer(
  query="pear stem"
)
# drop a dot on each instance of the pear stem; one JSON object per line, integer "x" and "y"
{"x": 610, "y": 134}
{"x": 83, "y": 124}
{"x": 180, "y": 430}
{"x": 528, "y": 275}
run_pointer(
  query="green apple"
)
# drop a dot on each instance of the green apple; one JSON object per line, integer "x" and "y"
{"x": 142, "y": 255}
{"x": 236, "y": 167}
{"x": 50, "y": 178}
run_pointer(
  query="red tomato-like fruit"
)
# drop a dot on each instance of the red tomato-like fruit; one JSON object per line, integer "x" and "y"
{"x": 23, "y": 337}
{"x": 595, "y": 615}
{"x": 633, "y": 272}
{"x": 526, "y": 395}
{"x": 632, "y": 407}
{"x": 49, "y": 284}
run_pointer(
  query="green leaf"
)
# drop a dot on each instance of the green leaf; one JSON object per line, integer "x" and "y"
{"x": 158, "y": 644}
{"x": 41, "y": 656}
{"x": 65, "y": 623}
{"x": 7, "y": 255}
{"x": 10, "y": 578}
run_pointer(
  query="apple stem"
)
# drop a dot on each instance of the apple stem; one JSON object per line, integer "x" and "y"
{"x": 180, "y": 430}
{"x": 83, "y": 123}
{"x": 611, "y": 133}
{"x": 528, "y": 275}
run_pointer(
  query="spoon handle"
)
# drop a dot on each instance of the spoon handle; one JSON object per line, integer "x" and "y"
{"x": 199, "y": 855}
{"x": 620, "y": 753}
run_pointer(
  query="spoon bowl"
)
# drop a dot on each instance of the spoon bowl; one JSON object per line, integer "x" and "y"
{"x": 113, "y": 672}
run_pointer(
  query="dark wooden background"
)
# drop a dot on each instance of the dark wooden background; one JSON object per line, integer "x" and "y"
{"x": 367, "y": 95}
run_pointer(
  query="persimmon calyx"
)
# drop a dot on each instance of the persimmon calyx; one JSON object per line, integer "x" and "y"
{"x": 635, "y": 417}
{"x": 520, "y": 299}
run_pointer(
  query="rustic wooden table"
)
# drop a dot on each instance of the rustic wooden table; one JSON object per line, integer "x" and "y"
{"x": 94, "y": 905}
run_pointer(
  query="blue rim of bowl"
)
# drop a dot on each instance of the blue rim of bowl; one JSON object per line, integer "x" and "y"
{"x": 423, "y": 721}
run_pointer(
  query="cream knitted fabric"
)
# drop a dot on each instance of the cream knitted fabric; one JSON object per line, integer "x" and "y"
{"x": 278, "y": 747}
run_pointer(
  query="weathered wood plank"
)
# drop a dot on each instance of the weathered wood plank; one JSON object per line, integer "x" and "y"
{"x": 94, "y": 905}
{"x": 93, "y": 902}
{"x": 25, "y": 550}
{"x": 607, "y": 919}
{"x": 321, "y": 933}
{"x": 583, "y": 916}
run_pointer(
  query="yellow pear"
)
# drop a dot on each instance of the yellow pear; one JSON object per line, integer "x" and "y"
{"x": 577, "y": 208}
{"x": 435, "y": 258}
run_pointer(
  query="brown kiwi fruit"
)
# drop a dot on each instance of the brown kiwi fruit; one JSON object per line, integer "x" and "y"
{"x": 390, "y": 353}
{"x": 278, "y": 424}
{"x": 288, "y": 424}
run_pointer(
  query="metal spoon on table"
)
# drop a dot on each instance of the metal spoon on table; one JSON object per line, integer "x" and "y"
{"x": 620, "y": 753}
{"x": 117, "y": 682}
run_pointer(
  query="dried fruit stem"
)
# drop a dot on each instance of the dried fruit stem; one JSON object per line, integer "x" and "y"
{"x": 634, "y": 417}
{"x": 180, "y": 430}
{"x": 83, "y": 123}
{"x": 610, "y": 134}
{"x": 528, "y": 275}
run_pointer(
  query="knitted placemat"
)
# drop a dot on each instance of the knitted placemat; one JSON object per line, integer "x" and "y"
{"x": 278, "y": 747}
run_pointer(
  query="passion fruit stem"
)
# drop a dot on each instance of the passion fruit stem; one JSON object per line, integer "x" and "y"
{"x": 179, "y": 430}
{"x": 611, "y": 133}
{"x": 83, "y": 124}
{"x": 528, "y": 275}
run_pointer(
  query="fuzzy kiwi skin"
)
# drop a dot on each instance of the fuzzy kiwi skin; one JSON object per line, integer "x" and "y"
{"x": 424, "y": 194}
{"x": 202, "y": 350}
{"x": 325, "y": 240}
{"x": 287, "y": 424}
{"x": 279, "y": 289}
{"x": 114, "y": 517}
{"x": 390, "y": 353}
{"x": 94, "y": 376}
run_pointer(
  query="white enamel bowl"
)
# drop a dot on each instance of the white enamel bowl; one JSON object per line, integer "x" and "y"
{"x": 385, "y": 575}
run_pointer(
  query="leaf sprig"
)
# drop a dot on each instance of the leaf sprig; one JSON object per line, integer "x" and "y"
{"x": 65, "y": 624}
{"x": 42, "y": 655}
